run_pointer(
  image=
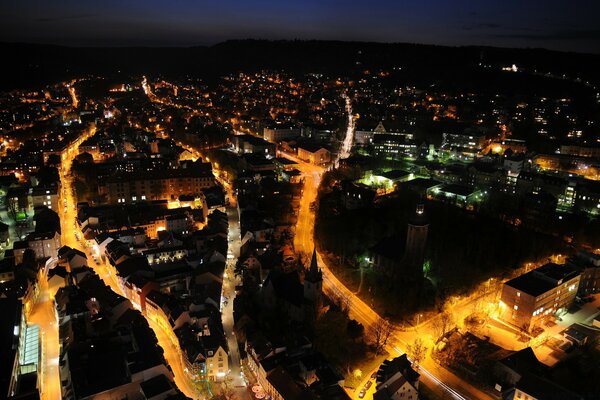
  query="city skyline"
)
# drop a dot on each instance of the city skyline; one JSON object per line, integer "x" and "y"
{"x": 318, "y": 200}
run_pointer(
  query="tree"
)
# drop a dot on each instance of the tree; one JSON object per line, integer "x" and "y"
{"x": 417, "y": 351}
{"x": 442, "y": 324}
{"x": 344, "y": 303}
{"x": 355, "y": 329}
{"x": 381, "y": 331}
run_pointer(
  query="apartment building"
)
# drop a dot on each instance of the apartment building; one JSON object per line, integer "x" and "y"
{"x": 530, "y": 299}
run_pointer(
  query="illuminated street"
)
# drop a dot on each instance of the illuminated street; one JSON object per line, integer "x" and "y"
{"x": 440, "y": 380}
{"x": 235, "y": 380}
{"x": 44, "y": 315}
{"x": 71, "y": 238}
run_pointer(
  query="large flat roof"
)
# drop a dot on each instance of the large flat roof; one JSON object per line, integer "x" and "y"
{"x": 543, "y": 279}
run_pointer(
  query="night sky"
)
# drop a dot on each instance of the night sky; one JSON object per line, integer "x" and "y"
{"x": 562, "y": 25}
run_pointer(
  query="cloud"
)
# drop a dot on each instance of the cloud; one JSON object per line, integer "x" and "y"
{"x": 63, "y": 18}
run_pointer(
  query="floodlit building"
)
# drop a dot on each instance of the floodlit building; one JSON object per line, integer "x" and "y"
{"x": 393, "y": 145}
{"x": 314, "y": 154}
{"x": 244, "y": 144}
{"x": 467, "y": 146}
{"x": 275, "y": 135}
{"x": 530, "y": 299}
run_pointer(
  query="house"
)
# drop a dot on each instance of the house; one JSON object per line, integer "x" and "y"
{"x": 395, "y": 388}
{"x": 389, "y": 369}
{"x": 510, "y": 369}
{"x": 72, "y": 257}
{"x": 57, "y": 278}
{"x": 117, "y": 252}
{"x": 204, "y": 350}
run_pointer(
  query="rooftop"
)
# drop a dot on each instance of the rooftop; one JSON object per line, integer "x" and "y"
{"x": 543, "y": 279}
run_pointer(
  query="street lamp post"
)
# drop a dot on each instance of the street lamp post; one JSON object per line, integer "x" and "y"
{"x": 418, "y": 320}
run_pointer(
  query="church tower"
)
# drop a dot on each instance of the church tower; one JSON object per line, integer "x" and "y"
{"x": 416, "y": 239}
{"x": 313, "y": 283}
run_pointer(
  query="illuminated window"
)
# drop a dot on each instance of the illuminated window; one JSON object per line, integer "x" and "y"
{"x": 516, "y": 307}
{"x": 518, "y": 294}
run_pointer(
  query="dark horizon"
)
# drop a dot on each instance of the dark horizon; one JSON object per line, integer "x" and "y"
{"x": 551, "y": 25}
{"x": 266, "y": 40}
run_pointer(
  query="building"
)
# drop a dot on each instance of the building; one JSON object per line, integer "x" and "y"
{"x": 356, "y": 195}
{"x": 513, "y": 165}
{"x": 463, "y": 145}
{"x": 396, "y": 379}
{"x": 589, "y": 266}
{"x": 45, "y": 245}
{"x": 458, "y": 195}
{"x": 397, "y": 387}
{"x": 204, "y": 351}
{"x": 510, "y": 369}
{"x": 45, "y": 196}
{"x": 276, "y": 135}
{"x": 244, "y": 144}
{"x": 530, "y": 299}
{"x": 416, "y": 240}
{"x": 20, "y": 366}
{"x": 514, "y": 145}
{"x": 314, "y": 154}
{"x": 393, "y": 145}
{"x": 300, "y": 300}
{"x": 166, "y": 184}
{"x": 580, "y": 151}
{"x": 406, "y": 264}
{"x": 533, "y": 387}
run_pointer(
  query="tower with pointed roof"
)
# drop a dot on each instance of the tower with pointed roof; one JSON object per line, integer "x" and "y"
{"x": 313, "y": 282}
